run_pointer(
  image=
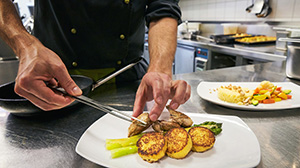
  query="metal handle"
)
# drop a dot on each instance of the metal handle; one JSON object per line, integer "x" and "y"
{"x": 113, "y": 74}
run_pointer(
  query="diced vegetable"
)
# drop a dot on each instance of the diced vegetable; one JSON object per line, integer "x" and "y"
{"x": 216, "y": 128}
{"x": 268, "y": 101}
{"x": 263, "y": 91}
{"x": 274, "y": 88}
{"x": 255, "y": 102}
{"x": 123, "y": 142}
{"x": 287, "y": 91}
{"x": 278, "y": 89}
{"x": 118, "y": 152}
{"x": 268, "y": 94}
{"x": 282, "y": 95}
{"x": 260, "y": 97}
{"x": 256, "y": 91}
{"x": 289, "y": 96}
{"x": 277, "y": 99}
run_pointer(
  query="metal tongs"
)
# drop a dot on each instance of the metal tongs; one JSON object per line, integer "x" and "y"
{"x": 95, "y": 104}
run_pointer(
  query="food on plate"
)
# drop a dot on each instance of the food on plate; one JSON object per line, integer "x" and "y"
{"x": 179, "y": 143}
{"x": 136, "y": 127}
{"x": 152, "y": 146}
{"x": 122, "y": 142}
{"x": 172, "y": 137}
{"x": 235, "y": 94}
{"x": 202, "y": 138}
{"x": 216, "y": 128}
{"x": 162, "y": 126}
{"x": 179, "y": 117}
{"x": 267, "y": 93}
{"x": 118, "y": 152}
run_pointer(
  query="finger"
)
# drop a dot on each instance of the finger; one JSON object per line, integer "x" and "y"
{"x": 40, "y": 103}
{"x": 182, "y": 91}
{"x": 52, "y": 82}
{"x": 139, "y": 103}
{"x": 187, "y": 94}
{"x": 66, "y": 82}
{"x": 42, "y": 92}
{"x": 157, "y": 89}
{"x": 157, "y": 110}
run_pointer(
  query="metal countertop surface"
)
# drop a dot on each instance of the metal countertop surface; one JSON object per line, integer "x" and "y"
{"x": 266, "y": 52}
{"x": 49, "y": 140}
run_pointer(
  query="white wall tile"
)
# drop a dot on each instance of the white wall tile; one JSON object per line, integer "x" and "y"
{"x": 211, "y": 11}
{"x": 229, "y": 10}
{"x": 284, "y": 9}
{"x": 240, "y": 10}
{"x": 234, "y": 10}
{"x": 296, "y": 14}
{"x": 220, "y": 11}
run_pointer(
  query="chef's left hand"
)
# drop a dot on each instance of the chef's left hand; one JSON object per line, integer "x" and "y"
{"x": 161, "y": 88}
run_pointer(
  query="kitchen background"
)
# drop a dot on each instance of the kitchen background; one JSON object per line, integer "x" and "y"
{"x": 206, "y": 18}
{"x": 234, "y": 10}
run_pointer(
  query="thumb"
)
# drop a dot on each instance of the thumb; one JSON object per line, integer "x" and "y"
{"x": 68, "y": 84}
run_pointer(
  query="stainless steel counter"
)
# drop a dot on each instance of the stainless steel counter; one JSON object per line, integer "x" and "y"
{"x": 49, "y": 140}
{"x": 256, "y": 52}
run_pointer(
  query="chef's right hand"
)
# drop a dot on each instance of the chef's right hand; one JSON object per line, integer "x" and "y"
{"x": 38, "y": 65}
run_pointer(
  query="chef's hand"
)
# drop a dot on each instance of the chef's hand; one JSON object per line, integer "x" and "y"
{"x": 38, "y": 65}
{"x": 161, "y": 88}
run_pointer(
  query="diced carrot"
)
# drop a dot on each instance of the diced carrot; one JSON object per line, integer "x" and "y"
{"x": 289, "y": 96}
{"x": 278, "y": 89}
{"x": 268, "y": 101}
{"x": 256, "y": 91}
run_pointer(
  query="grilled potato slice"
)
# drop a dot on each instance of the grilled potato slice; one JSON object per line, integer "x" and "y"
{"x": 179, "y": 143}
{"x": 203, "y": 139}
{"x": 152, "y": 146}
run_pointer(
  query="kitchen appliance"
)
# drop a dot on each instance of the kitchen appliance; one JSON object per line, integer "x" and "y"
{"x": 201, "y": 59}
{"x": 293, "y": 57}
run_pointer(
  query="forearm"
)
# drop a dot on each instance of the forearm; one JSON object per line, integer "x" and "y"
{"x": 12, "y": 30}
{"x": 162, "y": 45}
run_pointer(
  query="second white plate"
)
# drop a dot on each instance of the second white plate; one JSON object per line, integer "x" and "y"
{"x": 207, "y": 91}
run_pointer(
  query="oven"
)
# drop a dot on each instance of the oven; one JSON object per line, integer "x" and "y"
{"x": 201, "y": 59}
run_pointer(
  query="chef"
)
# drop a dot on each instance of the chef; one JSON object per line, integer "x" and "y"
{"x": 92, "y": 38}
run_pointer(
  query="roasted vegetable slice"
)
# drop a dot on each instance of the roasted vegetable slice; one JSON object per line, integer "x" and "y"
{"x": 216, "y": 128}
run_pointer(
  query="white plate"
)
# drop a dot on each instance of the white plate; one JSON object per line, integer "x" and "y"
{"x": 207, "y": 91}
{"x": 236, "y": 147}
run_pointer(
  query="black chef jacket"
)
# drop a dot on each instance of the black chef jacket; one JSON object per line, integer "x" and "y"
{"x": 95, "y": 34}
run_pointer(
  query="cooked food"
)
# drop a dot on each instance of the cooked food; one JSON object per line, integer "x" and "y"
{"x": 216, "y": 128}
{"x": 136, "y": 127}
{"x": 256, "y": 39}
{"x": 179, "y": 143}
{"x": 118, "y": 152}
{"x": 162, "y": 125}
{"x": 152, "y": 146}
{"x": 202, "y": 138}
{"x": 235, "y": 94}
{"x": 182, "y": 119}
{"x": 241, "y": 35}
{"x": 111, "y": 144}
{"x": 267, "y": 93}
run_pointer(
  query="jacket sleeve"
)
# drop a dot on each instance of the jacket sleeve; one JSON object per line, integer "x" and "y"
{"x": 157, "y": 9}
